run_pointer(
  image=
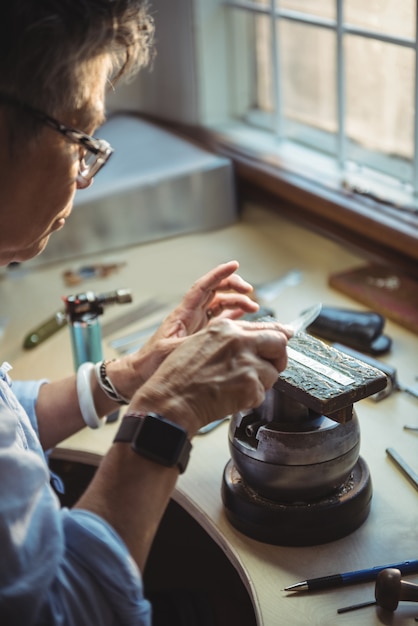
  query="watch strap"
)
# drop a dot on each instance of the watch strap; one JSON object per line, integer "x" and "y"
{"x": 128, "y": 428}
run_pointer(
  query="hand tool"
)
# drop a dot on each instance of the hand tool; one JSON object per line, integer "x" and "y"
{"x": 403, "y": 466}
{"x": 390, "y": 589}
{"x": 83, "y": 312}
{"x": 360, "y": 330}
{"x": 354, "y": 607}
{"x": 58, "y": 320}
{"x": 299, "y": 324}
{"x": 209, "y": 427}
{"x": 306, "y": 318}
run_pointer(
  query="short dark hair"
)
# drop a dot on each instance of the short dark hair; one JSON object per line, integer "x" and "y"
{"x": 44, "y": 43}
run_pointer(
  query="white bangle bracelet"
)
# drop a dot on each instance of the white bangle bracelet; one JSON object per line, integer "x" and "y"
{"x": 85, "y": 397}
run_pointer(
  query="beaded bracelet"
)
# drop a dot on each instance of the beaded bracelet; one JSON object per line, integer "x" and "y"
{"x": 85, "y": 397}
{"x": 106, "y": 384}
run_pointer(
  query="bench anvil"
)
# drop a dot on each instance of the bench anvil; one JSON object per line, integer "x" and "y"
{"x": 295, "y": 477}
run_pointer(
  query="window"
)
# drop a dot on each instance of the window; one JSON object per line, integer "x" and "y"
{"x": 336, "y": 77}
{"x": 314, "y": 100}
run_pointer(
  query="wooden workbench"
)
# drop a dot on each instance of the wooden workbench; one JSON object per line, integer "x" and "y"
{"x": 267, "y": 247}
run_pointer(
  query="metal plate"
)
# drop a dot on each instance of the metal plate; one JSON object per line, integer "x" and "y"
{"x": 326, "y": 380}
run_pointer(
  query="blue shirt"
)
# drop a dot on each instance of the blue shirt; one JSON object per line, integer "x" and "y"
{"x": 57, "y": 566}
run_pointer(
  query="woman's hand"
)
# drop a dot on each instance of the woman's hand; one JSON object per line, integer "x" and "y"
{"x": 221, "y": 293}
{"x": 222, "y": 369}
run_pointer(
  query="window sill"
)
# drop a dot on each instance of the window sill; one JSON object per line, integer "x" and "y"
{"x": 376, "y": 231}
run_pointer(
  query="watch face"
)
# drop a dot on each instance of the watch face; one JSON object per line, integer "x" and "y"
{"x": 159, "y": 440}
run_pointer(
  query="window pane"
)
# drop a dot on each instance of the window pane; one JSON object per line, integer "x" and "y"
{"x": 308, "y": 75}
{"x": 251, "y": 79}
{"x": 380, "y": 96}
{"x": 320, "y": 8}
{"x": 393, "y": 17}
{"x": 264, "y": 65}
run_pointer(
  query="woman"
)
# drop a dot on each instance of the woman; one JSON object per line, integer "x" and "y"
{"x": 83, "y": 566}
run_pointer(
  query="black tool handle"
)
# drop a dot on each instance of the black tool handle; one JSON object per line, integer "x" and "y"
{"x": 361, "y": 330}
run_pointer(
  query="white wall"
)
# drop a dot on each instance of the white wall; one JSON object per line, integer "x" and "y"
{"x": 188, "y": 82}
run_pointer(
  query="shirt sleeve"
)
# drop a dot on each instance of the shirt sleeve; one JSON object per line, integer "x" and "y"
{"x": 27, "y": 393}
{"x": 31, "y": 539}
{"x": 97, "y": 581}
{"x": 58, "y": 566}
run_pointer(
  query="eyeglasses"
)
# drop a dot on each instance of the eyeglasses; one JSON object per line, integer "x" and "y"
{"x": 96, "y": 152}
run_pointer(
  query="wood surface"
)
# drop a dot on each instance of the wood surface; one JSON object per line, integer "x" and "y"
{"x": 383, "y": 289}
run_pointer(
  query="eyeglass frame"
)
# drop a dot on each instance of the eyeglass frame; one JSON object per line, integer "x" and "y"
{"x": 99, "y": 147}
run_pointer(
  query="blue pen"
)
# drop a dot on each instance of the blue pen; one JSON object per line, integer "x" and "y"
{"x": 351, "y": 578}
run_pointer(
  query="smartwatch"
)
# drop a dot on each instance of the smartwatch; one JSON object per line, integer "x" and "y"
{"x": 155, "y": 438}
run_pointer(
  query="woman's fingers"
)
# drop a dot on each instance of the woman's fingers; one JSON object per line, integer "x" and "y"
{"x": 220, "y": 279}
{"x": 231, "y": 305}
